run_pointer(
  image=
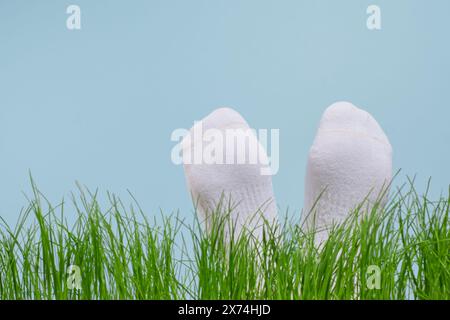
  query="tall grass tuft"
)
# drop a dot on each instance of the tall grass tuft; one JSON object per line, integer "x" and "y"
{"x": 399, "y": 251}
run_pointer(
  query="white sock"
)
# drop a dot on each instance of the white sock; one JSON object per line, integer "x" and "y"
{"x": 239, "y": 186}
{"x": 350, "y": 159}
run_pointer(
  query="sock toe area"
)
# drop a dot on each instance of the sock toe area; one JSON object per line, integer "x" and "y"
{"x": 219, "y": 119}
{"x": 345, "y": 118}
{"x": 224, "y": 117}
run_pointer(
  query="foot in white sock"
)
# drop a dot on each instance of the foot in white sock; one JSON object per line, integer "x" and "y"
{"x": 349, "y": 162}
{"x": 225, "y": 180}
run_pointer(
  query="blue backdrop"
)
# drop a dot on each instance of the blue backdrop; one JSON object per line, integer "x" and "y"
{"x": 98, "y": 105}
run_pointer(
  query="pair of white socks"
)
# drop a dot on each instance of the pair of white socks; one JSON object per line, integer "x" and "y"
{"x": 350, "y": 162}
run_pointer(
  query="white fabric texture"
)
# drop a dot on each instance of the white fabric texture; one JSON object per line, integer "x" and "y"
{"x": 237, "y": 186}
{"x": 349, "y": 162}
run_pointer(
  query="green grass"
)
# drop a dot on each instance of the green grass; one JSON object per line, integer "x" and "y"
{"x": 124, "y": 253}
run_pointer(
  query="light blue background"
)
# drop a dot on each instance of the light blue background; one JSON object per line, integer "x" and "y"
{"x": 98, "y": 105}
